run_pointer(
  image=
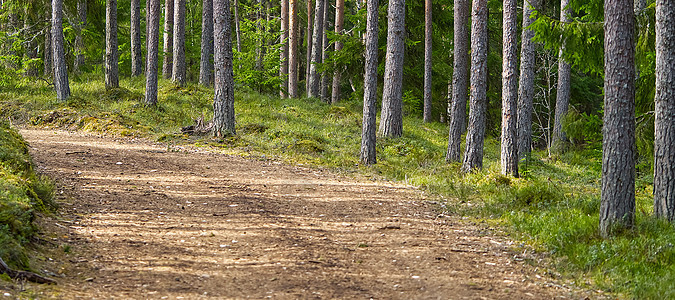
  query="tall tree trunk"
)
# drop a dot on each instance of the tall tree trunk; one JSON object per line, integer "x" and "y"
{"x": 136, "y": 51}
{"x": 236, "y": 24}
{"x": 178, "y": 72}
{"x": 391, "y": 117}
{"x": 368, "y": 138}
{"x": 563, "y": 96}
{"x": 206, "y": 64}
{"x": 664, "y": 125}
{"x": 167, "y": 65}
{"x": 460, "y": 79}
{"x": 60, "y": 71}
{"x": 617, "y": 207}
{"x": 509, "y": 145}
{"x": 473, "y": 155}
{"x": 324, "y": 54}
{"x": 339, "y": 24}
{"x": 283, "y": 69}
{"x": 79, "y": 43}
{"x": 317, "y": 50}
{"x": 293, "y": 49}
{"x": 526, "y": 86}
{"x": 308, "y": 52}
{"x": 223, "y": 103}
{"x": 427, "y": 62}
{"x": 111, "y": 56}
{"x": 152, "y": 34}
{"x": 48, "y": 49}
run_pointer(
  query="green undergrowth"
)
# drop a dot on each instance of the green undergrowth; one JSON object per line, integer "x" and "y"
{"x": 23, "y": 192}
{"x": 553, "y": 207}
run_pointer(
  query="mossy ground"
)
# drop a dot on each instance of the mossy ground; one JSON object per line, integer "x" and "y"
{"x": 553, "y": 206}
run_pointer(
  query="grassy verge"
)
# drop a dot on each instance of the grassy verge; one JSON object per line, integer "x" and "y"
{"x": 553, "y": 206}
{"x": 22, "y": 194}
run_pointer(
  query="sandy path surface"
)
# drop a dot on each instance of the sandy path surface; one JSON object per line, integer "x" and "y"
{"x": 143, "y": 222}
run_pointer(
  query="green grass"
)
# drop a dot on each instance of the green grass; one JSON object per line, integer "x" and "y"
{"x": 22, "y": 193}
{"x": 553, "y": 207}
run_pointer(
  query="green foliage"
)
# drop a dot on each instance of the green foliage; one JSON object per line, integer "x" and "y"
{"x": 583, "y": 128}
{"x": 22, "y": 192}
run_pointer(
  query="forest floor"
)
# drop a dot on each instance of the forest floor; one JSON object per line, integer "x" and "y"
{"x": 142, "y": 220}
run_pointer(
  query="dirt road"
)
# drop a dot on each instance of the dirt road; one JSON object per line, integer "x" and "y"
{"x": 142, "y": 222}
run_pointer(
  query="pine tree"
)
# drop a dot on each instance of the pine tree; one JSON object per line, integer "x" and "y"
{"x": 136, "y": 52}
{"x": 339, "y": 23}
{"x": 79, "y": 43}
{"x": 617, "y": 207}
{"x": 509, "y": 145}
{"x": 153, "y": 15}
{"x": 293, "y": 49}
{"x": 563, "y": 92}
{"x": 167, "y": 65}
{"x": 283, "y": 69}
{"x": 473, "y": 155}
{"x": 427, "y": 61}
{"x": 111, "y": 56}
{"x": 317, "y": 50}
{"x": 223, "y": 103}
{"x": 391, "y": 117}
{"x": 526, "y": 84}
{"x": 178, "y": 73}
{"x": 460, "y": 82}
{"x": 206, "y": 64}
{"x": 368, "y": 138}
{"x": 60, "y": 71}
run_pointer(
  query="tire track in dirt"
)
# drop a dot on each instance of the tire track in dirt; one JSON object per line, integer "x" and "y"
{"x": 145, "y": 222}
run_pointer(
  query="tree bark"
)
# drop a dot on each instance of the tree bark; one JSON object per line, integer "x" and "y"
{"x": 308, "y": 35}
{"x": 167, "y": 65}
{"x": 473, "y": 155}
{"x": 391, "y": 117}
{"x": 509, "y": 145}
{"x": 426, "y": 116}
{"x": 60, "y": 70}
{"x": 223, "y": 103}
{"x": 136, "y": 51}
{"x": 152, "y": 35}
{"x": 317, "y": 51}
{"x": 48, "y": 49}
{"x": 664, "y": 125}
{"x": 339, "y": 25}
{"x": 526, "y": 86}
{"x": 460, "y": 79}
{"x": 111, "y": 55}
{"x": 563, "y": 96}
{"x": 206, "y": 64}
{"x": 293, "y": 49}
{"x": 283, "y": 69}
{"x": 617, "y": 208}
{"x": 79, "y": 44}
{"x": 178, "y": 72}
{"x": 324, "y": 54}
{"x": 368, "y": 138}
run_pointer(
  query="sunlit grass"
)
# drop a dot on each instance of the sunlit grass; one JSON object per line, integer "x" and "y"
{"x": 553, "y": 206}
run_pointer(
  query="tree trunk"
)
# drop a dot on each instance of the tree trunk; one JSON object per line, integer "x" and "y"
{"x": 308, "y": 35}
{"x": 206, "y": 64}
{"x": 152, "y": 35}
{"x": 339, "y": 24}
{"x": 460, "y": 80}
{"x": 79, "y": 44}
{"x": 563, "y": 96}
{"x": 368, "y": 138}
{"x": 167, "y": 65}
{"x": 426, "y": 116}
{"x": 617, "y": 208}
{"x": 136, "y": 51}
{"x": 473, "y": 155}
{"x": 317, "y": 50}
{"x": 48, "y": 49}
{"x": 111, "y": 56}
{"x": 391, "y": 117}
{"x": 526, "y": 86}
{"x": 283, "y": 69}
{"x": 223, "y": 103}
{"x": 60, "y": 71}
{"x": 293, "y": 49}
{"x": 324, "y": 54}
{"x": 509, "y": 145}
{"x": 664, "y": 125}
{"x": 178, "y": 72}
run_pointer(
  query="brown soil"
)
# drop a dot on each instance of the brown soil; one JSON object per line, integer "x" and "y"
{"x": 143, "y": 222}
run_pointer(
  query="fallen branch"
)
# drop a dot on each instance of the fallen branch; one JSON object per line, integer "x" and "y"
{"x": 200, "y": 127}
{"x": 25, "y": 275}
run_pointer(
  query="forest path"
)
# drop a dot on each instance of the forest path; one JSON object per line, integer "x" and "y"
{"x": 144, "y": 222}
